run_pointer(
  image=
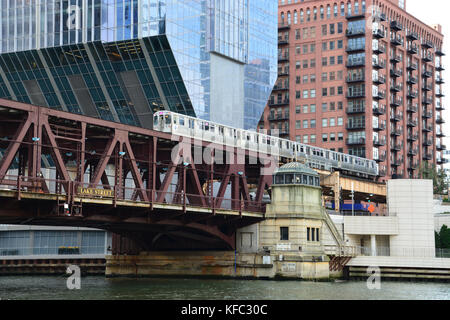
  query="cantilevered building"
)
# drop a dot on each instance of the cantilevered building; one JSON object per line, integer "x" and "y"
{"x": 362, "y": 77}
{"x": 122, "y": 60}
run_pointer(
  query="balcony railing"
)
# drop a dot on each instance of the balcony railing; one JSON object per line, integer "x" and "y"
{"x": 396, "y": 72}
{"x": 396, "y": 132}
{"x": 355, "y": 126}
{"x": 412, "y": 36}
{"x": 412, "y": 94}
{"x": 355, "y": 78}
{"x": 280, "y": 88}
{"x": 278, "y": 117}
{"x": 440, "y": 93}
{"x": 427, "y": 100}
{"x": 427, "y": 128}
{"x": 412, "y": 80}
{"x": 379, "y": 95}
{"x": 283, "y": 58}
{"x": 356, "y": 62}
{"x": 379, "y": 111}
{"x": 353, "y": 110}
{"x": 284, "y": 26}
{"x": 381, "y": 157}
{"x": 358, "y": 94}
{"x": 355, "y": 32}
{"x": 356, "y": 141}
{"x": 412, "y": 108}
{"x": 396, "y": 41}
{"x": 413, "y": 152}
{"x": 378, "y": 63}
{"x": 412, "y": 66}
{"x": 412, "y": 123}
{"x": 379, "y": 79}
{"x": 427, "y": 44}
{"x": 413, "y": 137}
{"x": 439, "y": 80}
{"x": 379, "y": 49}
{"x": 396, "y": 87}
{"x": 279, "y": 102}
{"x": 396, "y": 147}
{"x": 427, "y": 58}
{"x": 379, "y": 142}
{"x": 380, "y": 126}
{"x": 396, "y": 102}
{"x": 395, "y": 25}
{"x": 396, "y": 59}
{"x": 378, "y": 33}
{"x": 413, "y": 49}
{"x": 427, "y": 74}
{"x": 413, "y": 165}
{"x": 396, "y": 117}
{"x": 440, "y": 120}
{"x": 361, "y": 47}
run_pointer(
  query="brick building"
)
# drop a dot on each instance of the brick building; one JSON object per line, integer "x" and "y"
{"x": 360, "y": 77}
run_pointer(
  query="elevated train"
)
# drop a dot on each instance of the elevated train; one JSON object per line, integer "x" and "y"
{"x": 318, "y": 158}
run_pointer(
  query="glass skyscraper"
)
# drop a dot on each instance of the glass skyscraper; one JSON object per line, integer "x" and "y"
{"x": 122, "y": 60}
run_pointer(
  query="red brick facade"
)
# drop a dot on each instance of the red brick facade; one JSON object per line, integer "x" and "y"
{"x": 360, "y": 77}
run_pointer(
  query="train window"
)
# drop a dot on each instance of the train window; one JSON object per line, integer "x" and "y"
{"x": 155, "y": 121}
{"x": 221, "y": 130}
{"x": 298, "y": 179}
{"x": 317, "y": 181}
{"x": 304, "y": 179}
{"x": 175, "y": 119}
{"x": 311, "y": 180}
{"x": 182, "y": 121}
{"x": 213, "y": 128}
{"x": 191, "y": 123}
{"x": 168, "y": 119}
{"x": 206, "y": 126}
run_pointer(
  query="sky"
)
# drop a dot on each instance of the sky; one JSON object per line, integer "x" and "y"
{"x": 437, "y": 12}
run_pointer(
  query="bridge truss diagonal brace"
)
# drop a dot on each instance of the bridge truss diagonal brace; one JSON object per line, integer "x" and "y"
{"x": 120, "y": 139}
{"x": 14, "y": 145}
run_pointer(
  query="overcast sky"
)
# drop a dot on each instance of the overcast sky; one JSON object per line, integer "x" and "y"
{"x": 437, "y": 12}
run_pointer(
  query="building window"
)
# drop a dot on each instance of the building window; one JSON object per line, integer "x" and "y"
{"x": 305, "y": 124}
{"x": 284, "y": 233}
{"x": 312, "y": 234}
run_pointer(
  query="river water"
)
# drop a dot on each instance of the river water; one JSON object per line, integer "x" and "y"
{"x": 99, "y": 287}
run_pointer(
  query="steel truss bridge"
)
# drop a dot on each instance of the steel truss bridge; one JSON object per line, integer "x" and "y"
{"x": 59, "y": 168}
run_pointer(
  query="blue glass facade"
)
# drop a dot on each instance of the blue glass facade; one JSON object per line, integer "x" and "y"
{"x": 165, "y": 48}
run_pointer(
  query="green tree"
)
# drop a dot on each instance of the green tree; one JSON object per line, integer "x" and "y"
{"x": 444, "y": 237}
{"x": 437, "y": 240}
{"x": 439, "y": 177}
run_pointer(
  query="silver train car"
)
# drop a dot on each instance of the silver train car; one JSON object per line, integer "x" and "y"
{"x": 318, "y": 158}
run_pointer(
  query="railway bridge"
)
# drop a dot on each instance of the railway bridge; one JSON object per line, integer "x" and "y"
{"x": 152, "y": 190}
